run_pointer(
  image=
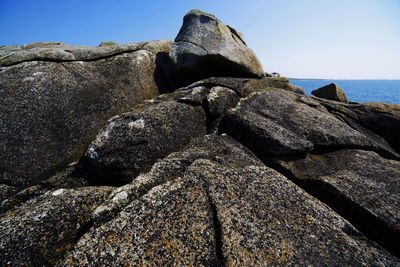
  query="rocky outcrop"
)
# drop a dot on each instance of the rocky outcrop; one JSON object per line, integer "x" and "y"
{"x": 54, "y": 98}
{"x": 225, "y": 171}
{"x": 206, "y": 47}
{"x": 238, "y": 209}
{"x": 331, "y": 91}
{"x": 276, "y": 122}
{"x": 357, "y": 183}
{"x": 380, "y": 118}
{"x": 133, "y": 141}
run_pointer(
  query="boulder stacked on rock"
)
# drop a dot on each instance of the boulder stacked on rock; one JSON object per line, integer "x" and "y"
{"x": 206, "y": 47}
{"x": 103, "y": 165}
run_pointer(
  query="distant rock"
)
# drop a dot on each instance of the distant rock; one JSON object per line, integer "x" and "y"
{"x": 107, "y": 43}
{"x": 272, "y": 74}
{"x": 332, "y": 92}
{"x": 207, "y": 47}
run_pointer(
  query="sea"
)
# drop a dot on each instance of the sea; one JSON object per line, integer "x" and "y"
{"x": 358, "y": 90}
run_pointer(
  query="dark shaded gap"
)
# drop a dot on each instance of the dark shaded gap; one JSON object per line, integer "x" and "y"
{"x": 163, "y": 73}
{"x": 73, "y": 60}
{"x": 258, "y": 145}
{"x": 219, "y": 254}
{"x": 368, "y": 224}
{"x": 218, "y": 237}
{"x": 83, "y": 230}
{"x": 211, "y": 120}
{"x": 207, "y": 66}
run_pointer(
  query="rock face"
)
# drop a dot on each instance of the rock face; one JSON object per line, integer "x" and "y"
{"x": 133, "y": 141}
{"x": 355, "y": 178}
{"x": 225, "y": 171}
{"x": 40, "y": 231}
{"x": 331, "y": 91}
{"x": 236, "y": 208}
{"x": 55, "y": 98}
{"x": 277, "y": 122}
{"x": 207, "y": 47}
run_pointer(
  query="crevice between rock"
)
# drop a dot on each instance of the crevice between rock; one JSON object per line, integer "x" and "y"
{"x": 364, "y": 221}
{"x": 219, "y": 255}
{"x": 74, "y": 60}
{"x": 83, "y": 230}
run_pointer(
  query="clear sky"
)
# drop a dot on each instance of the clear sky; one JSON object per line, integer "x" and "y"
{"x": 343, "y": 39}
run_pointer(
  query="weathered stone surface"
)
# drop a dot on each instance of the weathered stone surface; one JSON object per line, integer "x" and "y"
{"x": 188, "y": 198}
{"x": 245, "y": 86}
{"x": 265, "y": 219}
{"x": 71, "y": 177}
{"x": 196, "y": 95}
{"x": 207, "y": 47}
{"x": 277, "y": 122}
{"x": 221, "y": 149}
{"x": 59, "y": 52}
{"x": 43, "y": 229}
{"x": 133, "y": 141}
{"x": 50, "y": 109}
{"x": 361, "y": 184}
{"x": 170, "y": 225}
{"x": 331, "y": 91}
{"x": 226, "y": 214}
{"x": 6, "y": 191}
{"x": 380, "y": 118}
{"x": 272, "y": 74}
{"x": 220, "y": 99}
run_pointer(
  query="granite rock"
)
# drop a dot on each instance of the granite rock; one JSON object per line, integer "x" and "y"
{"x": 360, "y": 184}
{"x": 277, "y": 122}
{"x": 43, "y": 229}
{"x": 133, "y": 141}
{"x": 206, "y": 47}
{"x": 55, "y": 98}
{"x": 331, "y": 91}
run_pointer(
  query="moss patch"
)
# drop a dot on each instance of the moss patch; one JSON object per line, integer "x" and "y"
{"x": 198, "y": 11}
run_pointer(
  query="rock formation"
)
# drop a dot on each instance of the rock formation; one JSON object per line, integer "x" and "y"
{"x": 206, "y": 47}
{"x": 105, "y": 161}
{"x": 331, "y": 91}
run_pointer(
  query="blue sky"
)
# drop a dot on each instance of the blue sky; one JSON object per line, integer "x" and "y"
{"x": 344, "y": 39}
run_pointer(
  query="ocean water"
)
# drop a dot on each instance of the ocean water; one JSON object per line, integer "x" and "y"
{"x": 358, "y": 90}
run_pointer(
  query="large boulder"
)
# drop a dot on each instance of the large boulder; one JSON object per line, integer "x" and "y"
{"x": 331, "y": 91}
{"x": 133, "y": 141}
{"x": 277, "y": 122}
{"x": 207, "y": 47}
{"x": 54, "y": 98}
{"x": 380, "y": 118}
